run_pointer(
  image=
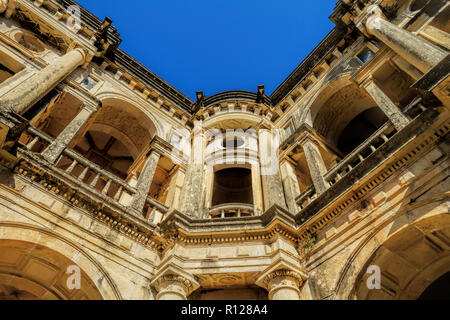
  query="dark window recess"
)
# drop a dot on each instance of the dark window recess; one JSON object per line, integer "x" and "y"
{"x": 41, "y": 105}
{"x": 5, "y": 73}
{"x": 233, "y": 185}
{"x": 438, "y": 290}
{"x": 365, "y": 55}
{"x": 360, "y": 129}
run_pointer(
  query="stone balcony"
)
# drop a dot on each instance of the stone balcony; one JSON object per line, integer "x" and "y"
{"x": 232, "y": 210}
{"x": 372, "y": 163}
{"x": 88, "y": 186}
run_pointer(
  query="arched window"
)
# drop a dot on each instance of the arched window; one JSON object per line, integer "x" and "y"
{"x": 233, "y": 185}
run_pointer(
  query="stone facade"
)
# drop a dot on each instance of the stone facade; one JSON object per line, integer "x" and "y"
{"x": 111, "y": 176}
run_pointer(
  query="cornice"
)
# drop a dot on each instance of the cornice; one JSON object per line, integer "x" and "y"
{"x": 236, "y": 95}
{"x": 181, "y": 228}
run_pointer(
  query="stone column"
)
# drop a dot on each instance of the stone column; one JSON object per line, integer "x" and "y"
{"x": 270, "y": 169}
{"x": 145, "y": 181}
{"x": 283, "y": 284}
{"x": 54, "y": 151}
{"x": 416, "y": 50}
{"x": 21, "y": 98}
{"x": 317, "y": 168}
{"x": 209, "y": 187}
{"x": 176, "y": 185}
{"x": 391, "y": 110}
{"x": 291, "y": 186}
{"x": 257, "y": 189}
{"x": 173, "y": 287}
{"x": 191, "y": 196}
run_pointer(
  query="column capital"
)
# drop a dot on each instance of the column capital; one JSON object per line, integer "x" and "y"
{"x": 367, "y": 81}
{"x": 282, "y": 282}
{"x": 174, "y": 282}
{"x": 160, "y": 146}
{"x": 84, "y": 53}
{"x": 369, "y": 19}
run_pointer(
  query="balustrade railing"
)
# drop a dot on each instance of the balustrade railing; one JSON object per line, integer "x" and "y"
{"x": 232, "y": 210}
{"x": 362, "y": 152}
{"x": 92, "y": 177}
{"x": 307, "y": 197}
{"x": 371, "y": 145}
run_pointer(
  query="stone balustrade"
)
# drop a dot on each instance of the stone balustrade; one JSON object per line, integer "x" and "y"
{"x": 361, "y": 153}
{"x": 307, "y": 197}
{"x": 232, "y": 210}
{"x": 92, "y": 177}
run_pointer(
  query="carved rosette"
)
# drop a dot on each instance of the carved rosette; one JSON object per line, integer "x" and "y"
{"x": 173, "y": 287}
{"x": 283, "y": 284}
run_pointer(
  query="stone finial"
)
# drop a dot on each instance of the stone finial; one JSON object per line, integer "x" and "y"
{"x": 260, "y": 94}
{"x": 101, "y": 34}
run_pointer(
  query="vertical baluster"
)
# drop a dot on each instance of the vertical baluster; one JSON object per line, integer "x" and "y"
{"x": 72, "y": 166}
{"x": 118, "y": 194}
{"x": 59, "y": 159}
{"x": 383, "y": 136}
{"x": 361, "y": 158}
{"x": 107, "y": 186}
{"x": 83, "y": 174}
{"x": 95, "y": 181}
{"x": 373, "y": 148}
{"x": 31, "y": 145}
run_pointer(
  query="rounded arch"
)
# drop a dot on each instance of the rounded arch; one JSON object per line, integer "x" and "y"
{"x": 339, "y": 107}
{"x": 328, "y": 87}
{"x": 49, "y": 246}
{"x": 416, "y": 5}
{"x": 104, "y": 97}
{"x": 405, "y": 234}
{"x": 233, "y": 121}
{"x": 119, "y": 133}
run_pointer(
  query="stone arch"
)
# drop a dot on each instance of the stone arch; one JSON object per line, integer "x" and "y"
{"x": 341, "y": 106}
{"x": 114, "y": 96}
{"x": 416, "y": 5}
{"x": 116, "y": 137}
{"x": 402, "y": 237}
{"x": 51, "y": 247}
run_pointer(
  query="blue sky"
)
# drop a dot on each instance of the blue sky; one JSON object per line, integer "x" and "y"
{"x": 217, "y": 45}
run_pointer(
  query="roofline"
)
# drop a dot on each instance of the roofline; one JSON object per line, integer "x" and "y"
{"x": 141, "y": 72}
{"x": 124, "y": 60}
{"x": 236, "y": 95}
